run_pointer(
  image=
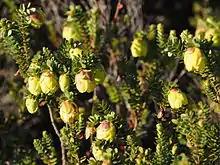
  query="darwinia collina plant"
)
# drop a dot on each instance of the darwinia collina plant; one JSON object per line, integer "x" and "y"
{"x": 103, "y": 90}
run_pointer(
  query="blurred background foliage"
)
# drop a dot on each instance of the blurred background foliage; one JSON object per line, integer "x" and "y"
{"x": 18, "y": 128}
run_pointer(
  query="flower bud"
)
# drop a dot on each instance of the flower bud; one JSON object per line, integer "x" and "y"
{"x": 68, "y": 111}
{"x": 67, "y": 32}
{"x": 214, "y": 34}
{"x": 204, "y": 85}
{"x": 177, "y": 98}
{"x": 174, "y": 149}
{"x": 106, "y": 131}
{"x": 99, "y": 74}
{"x": 34, "y": 66}
{"x": 71, "y": 32}
{"x": 32, "y": 105}
{"x": 64, "y": 82}
{"x": 36, "y": 19}
{"x": 138, "y": 47}
{"x": 97, "y": 152}
{"x": 48, "y": 82}
{"x": 189, "y": 144}
{"x": 215, "y": 107}
{"x": 84, "y": 81}
{"x": 200, "y": 32}
{"x": 215, "y": 111}
{"x": 89, "y": 131}
{"x": 75, "y": 52}
{"x": 107, "y": 162}
{"x": 34, "y": 85}
{"x": 183, "y": 160}
{"x": 73, "y": 10}
{"x": 139, "y": 159}
{"x": 194, "y": 60}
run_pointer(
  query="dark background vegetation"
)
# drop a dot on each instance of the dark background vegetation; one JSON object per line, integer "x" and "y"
{"x": 16, "y": 131}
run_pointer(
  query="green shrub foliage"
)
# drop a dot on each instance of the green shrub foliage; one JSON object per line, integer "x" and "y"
{"x": 118, "y": 90}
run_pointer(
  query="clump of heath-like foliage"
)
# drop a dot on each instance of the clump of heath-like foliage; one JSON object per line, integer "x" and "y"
{"x": 105, "y": 93}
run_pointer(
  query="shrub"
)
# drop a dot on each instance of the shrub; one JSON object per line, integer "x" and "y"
{"x": 136, "y": 89}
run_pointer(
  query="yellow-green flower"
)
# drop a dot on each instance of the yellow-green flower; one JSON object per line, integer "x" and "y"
{"x": 183, "y": 161}
{"x": 75, "y": 52}
{"x": 177, "y": 98}
{"x": 97, "y": 152}
{"x": 48, "y": 82}
{"x": 106, "y": 131}
{"x": 200, "y": 32}
{"x": 36, "y": 18}
{"x": 214, "y": 34}
{"x": 64, "y": 82}
{"x": 85, "y": 81}
{"x": 67, "y": 32}
{"x": 89, "y": 131}
{"x": 138, "y": 47}
{"x": 99, "y": 74}
{"x": 32, "y": 105}
{"x": 106, "y": 162}
{"x": 194, "y": 59}
{"x": 34, "y": 85}
{"x": 70, "y": 32}
{"x": 34, "y": 66}
{"x": 215, "y": 107}
{"x": 68, "y": 111}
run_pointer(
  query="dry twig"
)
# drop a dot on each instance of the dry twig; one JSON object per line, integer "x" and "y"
{"x": 58, "y": 134}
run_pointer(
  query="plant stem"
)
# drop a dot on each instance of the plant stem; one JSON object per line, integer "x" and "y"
{"x": 58, "y": 134}
{"x": 117, "y": 11}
